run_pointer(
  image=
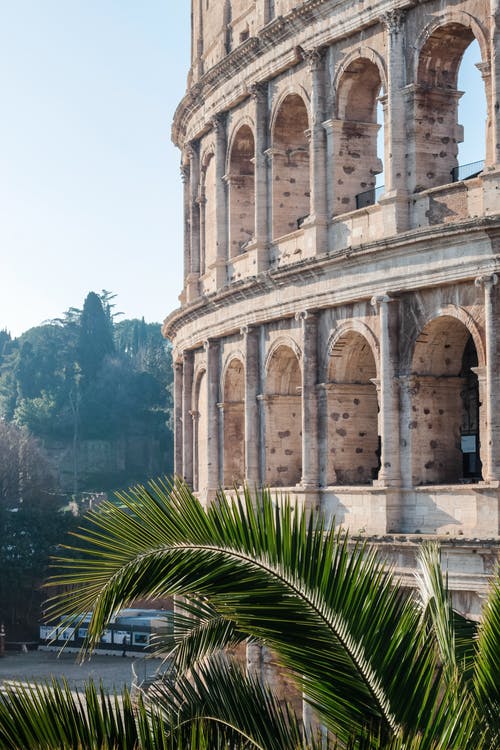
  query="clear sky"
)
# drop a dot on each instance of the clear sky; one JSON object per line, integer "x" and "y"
{"x": 90, "y": 193}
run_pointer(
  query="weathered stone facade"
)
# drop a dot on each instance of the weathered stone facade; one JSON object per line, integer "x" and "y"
{"x": 334, "y": 342}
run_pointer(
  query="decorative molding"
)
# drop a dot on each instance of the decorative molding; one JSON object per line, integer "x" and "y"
{"x": 393, "y": 20}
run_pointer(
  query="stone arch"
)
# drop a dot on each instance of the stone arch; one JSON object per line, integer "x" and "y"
{"x": 233, "y": 406}
{"x": 287, "y": 341}
{"x": 240, "y": 178}
{"x": 356, "y": 162}
{"x": 438, "y": 54}
{"x": 353, "y": 447}
{"x": 290, "y": 164}
{"x": 361, "y": 52}
{"x": 341, "y": 330}
{"x": 447, "y": 416}
{"x": 446, "y": 18}
{"x": 283, "y": 417}
{"x": 200, "y": 429}
{"x": 450, "y": 311}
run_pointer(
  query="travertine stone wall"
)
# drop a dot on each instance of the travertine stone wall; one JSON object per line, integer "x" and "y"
{"x": 336, "y": 341}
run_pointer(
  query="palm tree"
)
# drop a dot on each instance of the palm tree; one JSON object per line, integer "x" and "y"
{"x": 379, "y": 668}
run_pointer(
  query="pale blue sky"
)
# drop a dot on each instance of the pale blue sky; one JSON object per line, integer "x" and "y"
{"x": 90, "y": 194}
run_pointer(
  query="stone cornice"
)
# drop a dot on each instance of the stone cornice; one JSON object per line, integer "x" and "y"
{"x": 312, "y": 269}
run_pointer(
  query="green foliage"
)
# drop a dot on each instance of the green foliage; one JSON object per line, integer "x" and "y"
{"x": 31, "y": 524}
{"x": 86, "y": 377}
{"x": 381, "y": 669}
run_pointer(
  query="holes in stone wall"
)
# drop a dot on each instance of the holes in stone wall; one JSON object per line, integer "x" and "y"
{"x": 446, "y": 414}
{"x": 283, "y": 420}
{"x": 290, "y": 169}
{"x": 241, "y": 181}
{"x": 352, "y": 413}
{"x": 438, "y": 131}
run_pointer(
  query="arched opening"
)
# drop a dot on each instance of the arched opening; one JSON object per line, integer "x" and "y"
{"x": 200, "y": 432}
{"x": 357, "y": 158}
{"x": 283, "y": 419}
{"x": 291, "y": 186}
{"x": 241, "y": 180}
{"x": 208, "y": 223}
{"x": 438, "y": 131}
{"x": 234, "y": 424}
{"x": 446, "y": 415}
{"x": 472, "y": 110}
{"x": 353, "y": 455}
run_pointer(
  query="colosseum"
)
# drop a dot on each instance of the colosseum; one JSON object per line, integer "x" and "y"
{"x": 338, "y": 338}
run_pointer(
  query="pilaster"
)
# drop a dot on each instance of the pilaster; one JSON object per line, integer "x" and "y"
{"x": 187, "y": 422}
{"x": 178, "y": 417}
{"x": 309, "y": 363}
{"x": 212, "y": 423}
{"x": 252, "y": 431}
{"x": 221, "y": 202}
{"x": 390, "y": 471}
{"x": 317, "y": 147}
{"x": 192, "y": 279}
{"x": 491, "y": 441}
{"x": 262, "y": 226}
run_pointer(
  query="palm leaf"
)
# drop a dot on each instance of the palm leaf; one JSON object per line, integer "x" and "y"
{"x": 331, "y": 612}
{"x": 486, "y": 686}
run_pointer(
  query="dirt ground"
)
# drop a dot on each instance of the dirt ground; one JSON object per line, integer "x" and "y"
{"x": 40, "y": 666}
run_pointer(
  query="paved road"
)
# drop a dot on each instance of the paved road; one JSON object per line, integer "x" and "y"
{"x": 40, "y": 666}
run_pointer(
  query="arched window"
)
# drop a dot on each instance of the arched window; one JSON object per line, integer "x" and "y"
{"x": 291, "y": 185}
{"x": 241, "y": 180}
{"x": 356, "y": 161}
{"x": 234, "y": 424}
{"x": 438, "y": 131}
{"x": 352, "y": 413}
{"x": 283, "y": 419}
{"x": 445, "y": 421}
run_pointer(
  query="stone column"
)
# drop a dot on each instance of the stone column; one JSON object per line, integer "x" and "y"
{"x": 329, "y": 128}
{"x": 212, "y": 437}
{"x": 494, "y": 103}
{"x": 252, "y": 431}
{"x": 309, "y": 362}
{"x": 262, "y": 227}
{"x": 178, "y": 417}
{"x": 317, "y": 149}
{"x": 395, "y": 125}
{"x": 490, "y": 441}
{"x": 187, "y": 422}
{"x": 407, "y": 386}
{"x": 195, "y": 422}
{"x": 221, "y": 203}
{"x": 390, "y": 472}
{"x": 192, "y": 280}
{"x": 187, "y": 220}
{"x": 220, "y": 444}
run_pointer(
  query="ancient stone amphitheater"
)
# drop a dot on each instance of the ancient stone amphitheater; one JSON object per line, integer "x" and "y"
{"x": 336, "y": 338}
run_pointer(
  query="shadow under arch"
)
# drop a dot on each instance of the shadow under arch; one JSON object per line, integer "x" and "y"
{"x": 447, "y": 415}
{"x": 282, "y": 403}
{"x": 351, "y": 408}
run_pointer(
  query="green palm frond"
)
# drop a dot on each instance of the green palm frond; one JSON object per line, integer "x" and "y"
{"x": 46, "y": 717}
{"x": 233, "y": 708}
{"x": 332, "y": 613}
{"x": 486, "y": 686}
{"x": 198, "y": 631}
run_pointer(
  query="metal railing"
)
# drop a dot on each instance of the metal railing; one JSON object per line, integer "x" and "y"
{"x": 467, "y": 171}
{"x": 369, "y": 197}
